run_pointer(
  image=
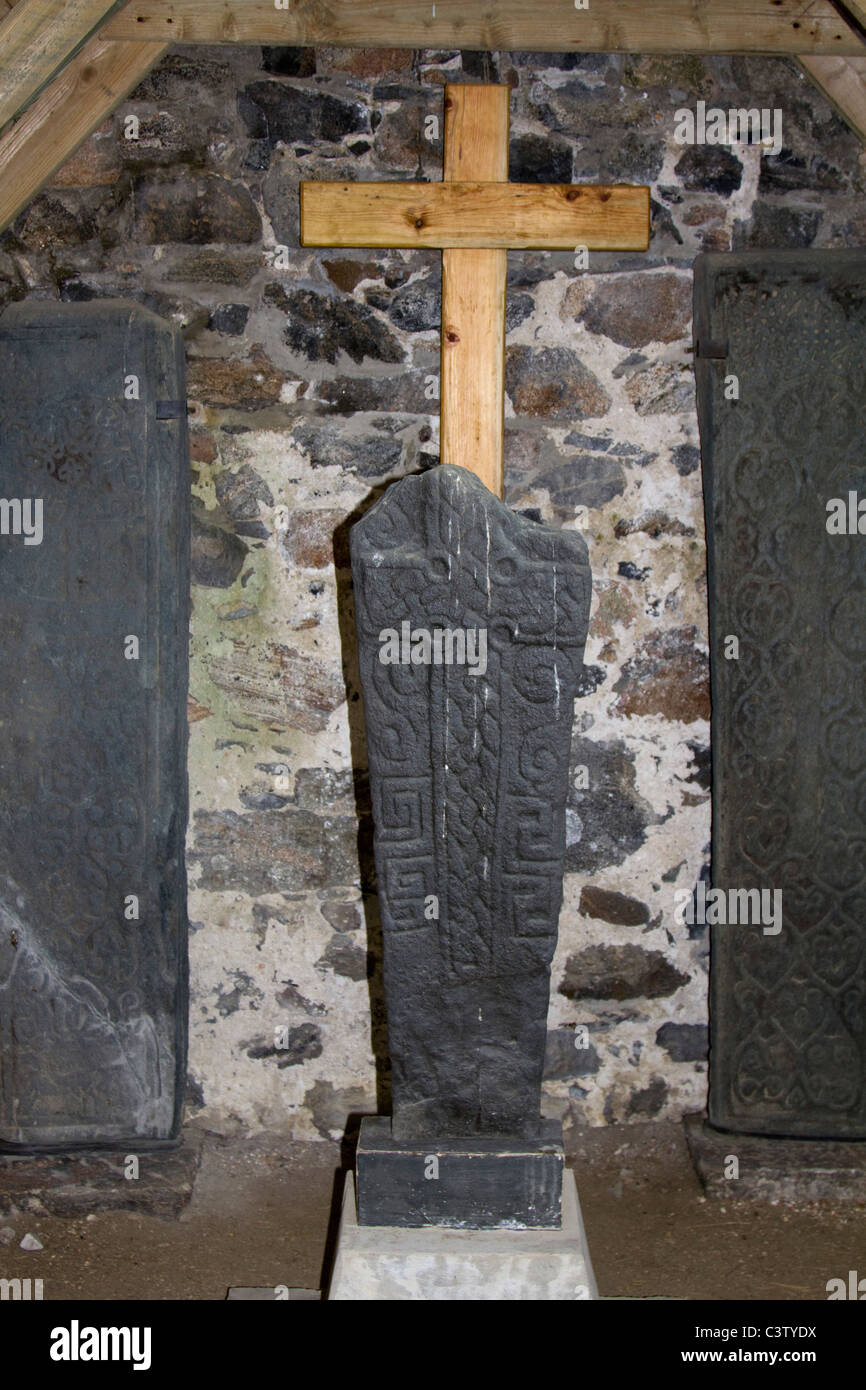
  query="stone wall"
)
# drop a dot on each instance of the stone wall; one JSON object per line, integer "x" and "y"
{"x": 312, "y": 380}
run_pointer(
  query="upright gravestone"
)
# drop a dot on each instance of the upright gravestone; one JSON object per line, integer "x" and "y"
{"x": 468, "y": 755}
{"x": 471, "y": 626}
{"x": 785, "y": 483}
{"x": 94, "y": 596}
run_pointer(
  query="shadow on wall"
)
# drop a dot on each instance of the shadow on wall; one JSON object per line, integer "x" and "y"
{"x": 361, "y": 781}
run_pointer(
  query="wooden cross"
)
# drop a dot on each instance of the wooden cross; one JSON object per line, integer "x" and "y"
{"x": 474, "y": 216}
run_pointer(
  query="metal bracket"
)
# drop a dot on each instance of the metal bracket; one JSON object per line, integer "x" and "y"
{"x": 707, "y": 347}
{"x": 171, "y": 410}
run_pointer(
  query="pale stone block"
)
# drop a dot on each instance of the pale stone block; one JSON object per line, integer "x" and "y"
{"x": 432, "y": 1263}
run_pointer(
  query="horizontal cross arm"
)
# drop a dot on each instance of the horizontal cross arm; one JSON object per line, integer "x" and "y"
{"x": 546, "y": 217}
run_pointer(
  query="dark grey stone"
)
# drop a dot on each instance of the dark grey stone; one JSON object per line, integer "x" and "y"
{"x": 608, "y": 819}
{"x": 539, "y": 159}
{"x": 217, "y": 554}
{"x": 636, "y": 158}
{"x": 776, "y": 225}
{"x": 195, "y": 210}
{"x": 786, "y": 171}
{"x": 341, "y": 916}
{"x": 470, "y": 1184}
{"x": 289, "y": 62}
{"x": 613, "y": 907}
{"x": 627, "y": 570}
{"x": 263, "y": 801}
{"x": 349, "y": 395}
{"x": 650, "y": 1101}
{"x": 711, "y": 169}
{"x": 274, "y": 111}
{"x": 370, "y": 455}
{"x": 239, "y": 491}
{"x": 684, "y": 1042}
{"x": 589, "y": 480}
{"x": 469, "y": 777}
{"x": 417, "y": 307}
{"x": 564, "y": 1062}
{"x": 702, "y": 759}
{"x": 480, "y": 64}
{"x": 517, "y": 308}
{"x": 788, "y": 1039}
{"x": 686, "y": 459}
{"x": 321, "y": 327}
{"x": 180, "y": 71}
{"x": 93, "y": 795}
{"x": 591, "y": 677}
{"x": 608, "y": 971}
{"x": 229, "y": 319}
{"x": 345, "y": 957}
{"x": 304, "y": 1044}
{"x": 662, "y": 225}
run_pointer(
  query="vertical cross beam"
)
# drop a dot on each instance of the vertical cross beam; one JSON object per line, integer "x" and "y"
{"x": 473, "y": 294}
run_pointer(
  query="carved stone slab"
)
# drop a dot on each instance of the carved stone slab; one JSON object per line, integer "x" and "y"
{"x": 469, "y": 773}
{"x": 93, "y": 802}
{"x": 788, "y": 1010}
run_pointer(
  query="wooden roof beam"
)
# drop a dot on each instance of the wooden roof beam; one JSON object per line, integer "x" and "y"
{"x": 605, "y": 26}
{"x": 54, "y": 125}
{"x": 37, "y": 37}
{"x": 843, "y": 82}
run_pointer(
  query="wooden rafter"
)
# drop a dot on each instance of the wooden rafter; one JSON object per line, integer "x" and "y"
{"x": 605, "y": 26}
{"x": 75, "y": 103}
{"x": 843, "y": 82}
{"x": 37, "y": 37}
{"x": 855, "y": 8}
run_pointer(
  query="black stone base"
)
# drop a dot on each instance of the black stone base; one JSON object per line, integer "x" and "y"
{"x": 482, "y": 1184}
{"x": 80, "y": 1183}
{"x": 775, "y": 1170}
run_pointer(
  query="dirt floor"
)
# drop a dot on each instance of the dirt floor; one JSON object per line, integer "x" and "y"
{"x": 262, "y": 1214}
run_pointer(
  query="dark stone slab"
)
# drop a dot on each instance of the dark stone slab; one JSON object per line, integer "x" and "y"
{"x": 81, "y": 1183}
{"x": 788, "y": 1010}
{"x": 477, "y": 1184}
{"x": 775, "y": 1170}
{"x": 469, "y": 776}
{"x": 93, "y": 801}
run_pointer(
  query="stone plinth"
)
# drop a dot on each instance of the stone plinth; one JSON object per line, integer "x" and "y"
{"x": 82, "y": 1183}
{"x": 482, "y": 1184}
{"x": 775, "y": 1170}
{"x": 434, "y": 1263}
